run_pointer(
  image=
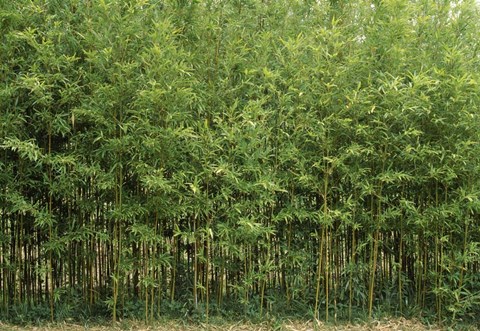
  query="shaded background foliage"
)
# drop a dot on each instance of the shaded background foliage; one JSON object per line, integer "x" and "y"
{"x": 262, "y": 157}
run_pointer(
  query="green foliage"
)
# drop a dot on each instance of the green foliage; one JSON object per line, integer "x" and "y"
{"x": 189, "y": 158}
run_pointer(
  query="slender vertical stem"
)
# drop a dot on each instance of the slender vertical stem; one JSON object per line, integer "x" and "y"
{"x": 195, "y": 264}
{"x": 50, "y": 230}
{"x": 350, "y": 282}
{"x": 319, "y": 270}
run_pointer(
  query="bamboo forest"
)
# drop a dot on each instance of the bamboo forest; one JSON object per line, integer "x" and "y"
{"x": 239, "y": 158}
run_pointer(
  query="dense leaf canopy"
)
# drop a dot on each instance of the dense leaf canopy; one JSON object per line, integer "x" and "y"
{"x": 262, "y": 157}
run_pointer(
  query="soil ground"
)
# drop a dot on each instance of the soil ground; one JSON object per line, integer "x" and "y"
{"x": 384, "y": 325}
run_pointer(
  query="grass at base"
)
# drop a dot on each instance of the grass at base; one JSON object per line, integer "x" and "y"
{"x": 286, "y": 325}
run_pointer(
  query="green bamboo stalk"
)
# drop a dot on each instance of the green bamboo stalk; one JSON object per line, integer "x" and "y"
{"x": 400, "y": 266}
{"x": 50, "y": 231}
{"x": 327, "y": 272}
{"x": 161, "y": 269}
{"x": 207, "y": 270}
{"x": 373, "y": 259}
{"x": 145, "y": 275}
{"x": 195, "y": 264}
{"x": 118, "y": 248}
{"x": 373, "y": 266}
{"x": 350, "y": 276}
{"x": 328, "y": 239}
{"x": 319, "y": 270}
{"x": 173, "y": 269}
{"x": 207, "y": 263}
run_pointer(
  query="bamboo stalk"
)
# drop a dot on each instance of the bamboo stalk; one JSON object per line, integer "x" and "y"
{"x": 50, "y": 230}
{"x": 319, "y": 270}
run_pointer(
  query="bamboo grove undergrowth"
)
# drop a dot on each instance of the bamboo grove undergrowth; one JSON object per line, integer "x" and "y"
{"x": 253, "y": 157}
